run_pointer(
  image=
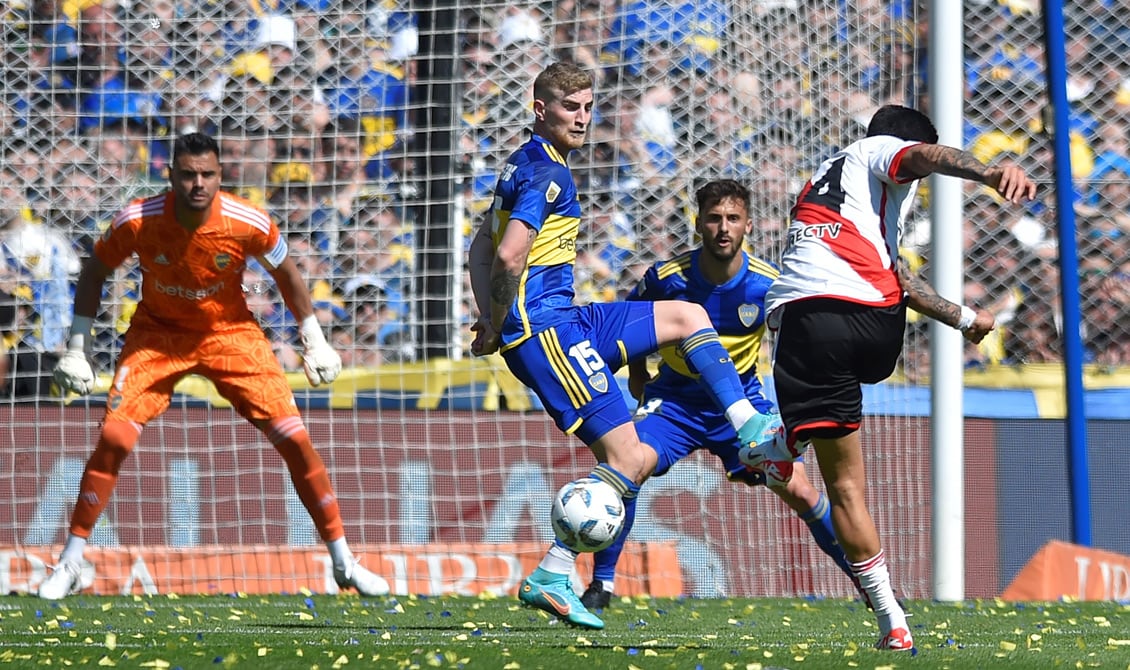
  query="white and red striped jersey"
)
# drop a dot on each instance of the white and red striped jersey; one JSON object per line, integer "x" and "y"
{"x": 843, "y": 239}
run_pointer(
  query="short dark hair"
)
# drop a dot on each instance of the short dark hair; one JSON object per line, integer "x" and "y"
{"x": 195, "y": 144}
{"x": 904, "y": 123}
{"x": 714, "y": 192}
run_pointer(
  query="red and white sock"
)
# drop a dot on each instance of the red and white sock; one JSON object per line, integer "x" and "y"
{"x": 876, "y": 581}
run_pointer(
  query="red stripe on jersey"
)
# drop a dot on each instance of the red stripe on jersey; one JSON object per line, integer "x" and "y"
{"x": 859, "y": 253}
{"x": 893, "y": 171}
{"x": 809, "y": 213}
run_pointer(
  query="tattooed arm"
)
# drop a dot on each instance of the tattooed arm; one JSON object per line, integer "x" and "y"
{"x": 510, "y": 260}
{"x": 922, "y": 160}
{"x": 923, "y": 299}
{"x": 495, "y": 276}
{"x": 480, "y": 258}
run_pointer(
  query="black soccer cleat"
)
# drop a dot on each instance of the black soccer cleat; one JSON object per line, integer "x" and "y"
{"x": 595, "y": 597}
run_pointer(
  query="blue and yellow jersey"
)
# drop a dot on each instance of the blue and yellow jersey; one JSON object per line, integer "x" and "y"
{"x": 536, "y": 187}
{"x": 736, "y": 309}
{"x": 379, "y": 99}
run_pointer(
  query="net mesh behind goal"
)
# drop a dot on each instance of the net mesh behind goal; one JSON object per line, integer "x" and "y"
{"x": 444, "y": 466}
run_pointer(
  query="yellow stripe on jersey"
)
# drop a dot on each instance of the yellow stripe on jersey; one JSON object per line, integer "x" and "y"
{"x": 523, "y": 315}
{"x": 761, "y": 267}
{"x": 573, "y": 428}
{"x": 744, "y": 349}
{"x": 583, "y": 390}
{"x": 556, "y": 243}
{"x": 678, "y": 264}
{"x": 623, "y": 351}
{"x": 553, "y": 153}
{"x": 570, "y": 381}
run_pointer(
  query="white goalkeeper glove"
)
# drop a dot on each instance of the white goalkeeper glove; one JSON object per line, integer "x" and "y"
{"x": 321, "y": 363}
{"x": 73, "y": 371}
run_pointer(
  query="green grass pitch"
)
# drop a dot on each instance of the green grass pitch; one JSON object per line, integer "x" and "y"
{"x": 323, "y": 632}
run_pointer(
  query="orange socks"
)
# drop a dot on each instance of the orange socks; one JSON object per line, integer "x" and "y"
{"x": 311, "y": 481}
{"x": 101, "y": 474}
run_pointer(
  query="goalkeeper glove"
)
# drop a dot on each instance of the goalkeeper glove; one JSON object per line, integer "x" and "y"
{"x": 321, "y": 363}
{"x": 73, "y": 371}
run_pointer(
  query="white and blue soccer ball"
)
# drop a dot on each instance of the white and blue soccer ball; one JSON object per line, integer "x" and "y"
{"x": 587, "y": 515}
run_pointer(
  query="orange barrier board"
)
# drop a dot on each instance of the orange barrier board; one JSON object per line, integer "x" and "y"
{"x": 432, "y": 569}
{"x": 1064, "y": 570}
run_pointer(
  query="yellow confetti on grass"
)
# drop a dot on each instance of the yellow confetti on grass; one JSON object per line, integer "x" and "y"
{"x": 1008, "y": 646}
{"x": 513, "y": 665}
{"x": 1117, "y": 643}
{"x": 106, "y": 607}
{"x": 157, "y": 663}
{"x": 106, "y": 661}
{"x": 111, "y": 641}
{"x": 302, "y": 616}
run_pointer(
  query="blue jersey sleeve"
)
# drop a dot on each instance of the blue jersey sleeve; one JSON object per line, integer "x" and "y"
{"x": 538, "y": 189}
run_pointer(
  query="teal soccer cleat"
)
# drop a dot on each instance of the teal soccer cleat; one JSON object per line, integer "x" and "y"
{"x": 554, "y": 594}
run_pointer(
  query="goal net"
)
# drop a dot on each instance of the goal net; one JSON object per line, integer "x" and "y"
{"x": 371, "y": 130}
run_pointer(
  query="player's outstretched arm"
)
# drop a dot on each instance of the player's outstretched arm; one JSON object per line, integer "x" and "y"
{"x": 974, "y": 324}
{"x": 921, "y": 160}
{"x": 73, "y": 371}
{"x": 319, "y": 360}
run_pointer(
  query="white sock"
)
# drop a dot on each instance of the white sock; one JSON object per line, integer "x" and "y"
{"x": 339, "y": 552}
{"x": 608, "y": 586}
{"x": 558, "y": 560}
{"x": 876, "y": 581}
{"x": 72, "y": 550}
{"x": 740, "y": 412}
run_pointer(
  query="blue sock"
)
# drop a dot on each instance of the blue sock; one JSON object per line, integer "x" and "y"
{"x": 819, "y": 522}
{"x": 624, "y": 486}
{"x": 706, "y": 357}
{"x": 604, "y": 561}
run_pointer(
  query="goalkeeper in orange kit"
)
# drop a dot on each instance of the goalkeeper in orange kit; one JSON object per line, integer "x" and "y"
{"x": 193, "y": 242}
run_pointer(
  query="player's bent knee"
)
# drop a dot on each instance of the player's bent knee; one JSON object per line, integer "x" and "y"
{"x": 114, "y": 445}
{"x": 676, "y": 320}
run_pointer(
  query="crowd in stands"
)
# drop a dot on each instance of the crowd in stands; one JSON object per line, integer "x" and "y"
{"x": 315, "y": 107}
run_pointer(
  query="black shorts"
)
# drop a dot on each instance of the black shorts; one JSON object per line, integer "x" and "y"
{"x": 825, "y": 349}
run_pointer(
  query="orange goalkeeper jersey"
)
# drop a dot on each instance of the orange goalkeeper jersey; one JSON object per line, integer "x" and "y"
{"x": 191, "y": 280}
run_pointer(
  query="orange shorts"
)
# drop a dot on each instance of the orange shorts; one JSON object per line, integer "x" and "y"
{"x": 238, "y": 361}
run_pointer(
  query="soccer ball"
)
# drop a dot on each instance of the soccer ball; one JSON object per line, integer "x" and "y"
{"x": 587, "y": 515}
